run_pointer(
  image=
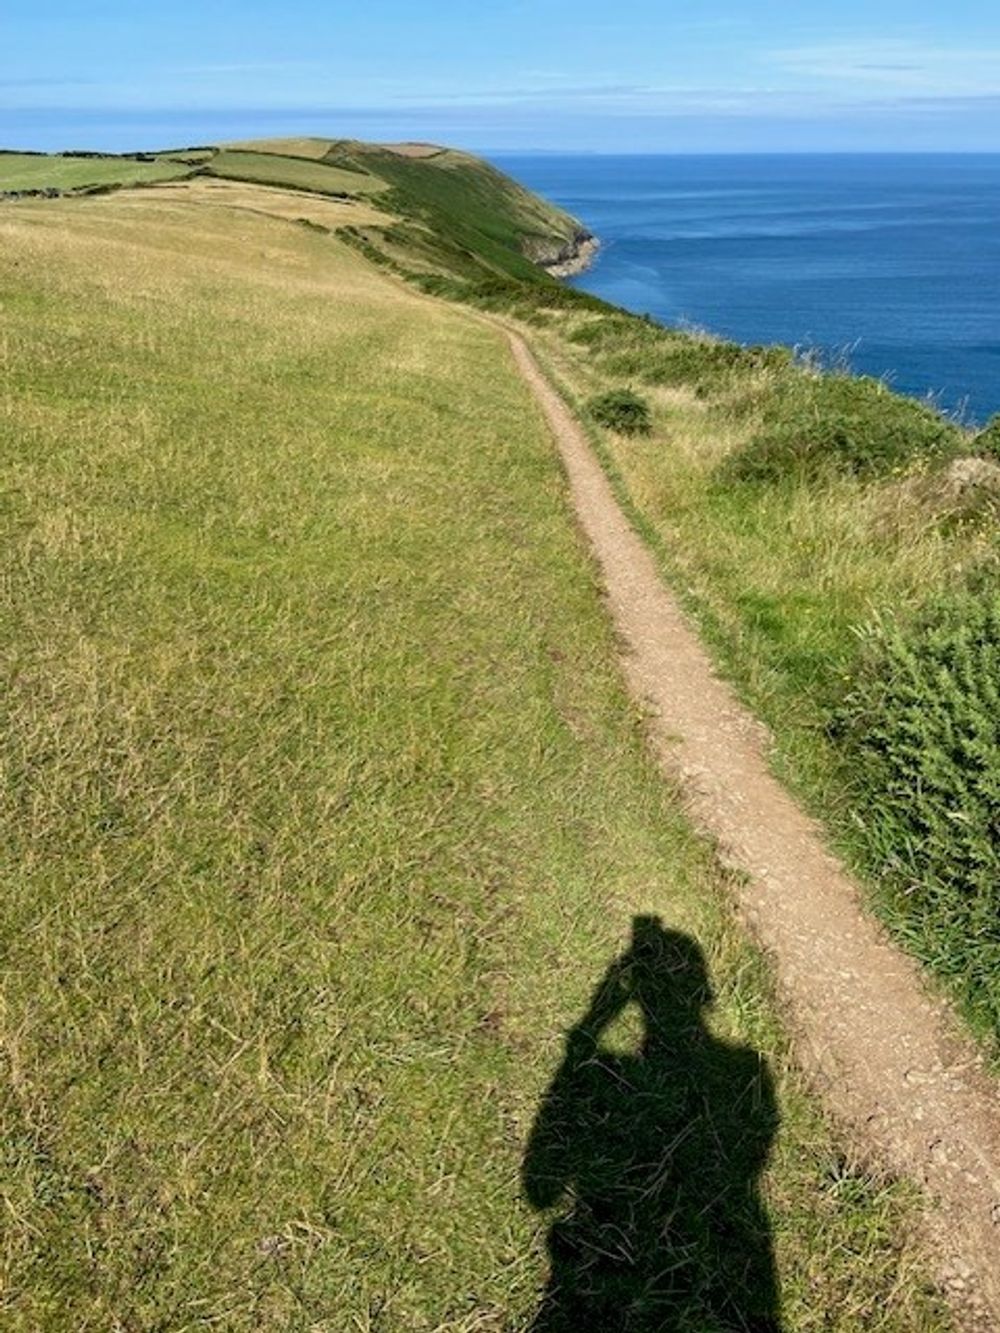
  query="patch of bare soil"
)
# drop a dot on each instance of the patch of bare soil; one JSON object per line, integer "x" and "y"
{"x": 886, "y": 1057}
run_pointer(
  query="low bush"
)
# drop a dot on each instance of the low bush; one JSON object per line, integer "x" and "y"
{"x": 623, "y": 411}
{"x": 988, "y": 440}
{"x": 607, "y": 331}
{"x": 844, "y": 423}
{"x": 921, "y": 733}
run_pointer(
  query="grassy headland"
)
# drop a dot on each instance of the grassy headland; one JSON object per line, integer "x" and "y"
{"x": 324, "y": 810}
{"x": 467, "y": 216}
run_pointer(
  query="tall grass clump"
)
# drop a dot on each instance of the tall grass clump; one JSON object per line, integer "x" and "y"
{"x": 921, "y": 729}
{"x": 638, "y": 347}
{"x": 841, "y": 424}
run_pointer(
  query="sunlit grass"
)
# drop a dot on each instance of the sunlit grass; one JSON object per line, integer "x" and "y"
{"x": 323, "y": 809}
{"x": 31, "y": 171}
{"x": 785, "y": 573}
{"x": 297, "y": 171}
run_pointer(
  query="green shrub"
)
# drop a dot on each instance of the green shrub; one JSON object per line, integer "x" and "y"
{"x": 608, "y": 330}
{"x": 623, "y": 411}
{"x": 706, "y": 366}
{"x": 988, "y": 440}
{"x": 921, "y": 733}
{"x": 811, "y": 423}
{"x": 637, "y": 347}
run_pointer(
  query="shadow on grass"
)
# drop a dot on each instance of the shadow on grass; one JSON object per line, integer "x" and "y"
{"x": 655, "y": 1156}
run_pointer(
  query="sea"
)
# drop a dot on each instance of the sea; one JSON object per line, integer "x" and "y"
{"x": 888, "y": 265}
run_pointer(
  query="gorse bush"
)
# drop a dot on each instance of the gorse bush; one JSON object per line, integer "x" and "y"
{"x": 988, "y": 439}
{"x": 812, "y": 423}
{"x": 623, "y": 411}
{"x": 921, "y": 731}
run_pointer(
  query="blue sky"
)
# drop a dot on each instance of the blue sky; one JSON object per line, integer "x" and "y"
{"x": 603, "y": 75}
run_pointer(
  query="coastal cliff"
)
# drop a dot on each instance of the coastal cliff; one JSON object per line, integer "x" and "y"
{"x": 575, "y": 257}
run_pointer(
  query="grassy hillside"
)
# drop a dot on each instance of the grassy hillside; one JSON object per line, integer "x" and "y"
{"x": 454, "y": 215}
{"x": 299, "y": 173}
{"x": 838, "y": 544}
{"x": 324, "y": 813}
{"x": 837, "y": 541}
{"x": 471, "y": 206}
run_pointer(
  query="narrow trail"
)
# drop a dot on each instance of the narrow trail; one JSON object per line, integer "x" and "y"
{"x": 885, "y": 1057}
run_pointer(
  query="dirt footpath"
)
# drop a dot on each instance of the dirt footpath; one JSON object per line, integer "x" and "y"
{"x": 887, "y": 1059}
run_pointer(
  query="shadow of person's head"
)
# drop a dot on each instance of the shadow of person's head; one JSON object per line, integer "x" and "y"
{"x": 664, "y": 975}
{"x": 672, "y": 986}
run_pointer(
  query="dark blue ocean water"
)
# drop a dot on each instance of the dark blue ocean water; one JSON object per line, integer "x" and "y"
{"x": 893, "y": 260}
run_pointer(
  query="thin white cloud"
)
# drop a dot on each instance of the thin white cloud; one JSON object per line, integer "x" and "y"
{"x": 906, "y": 67}
{"x": 254, "y": 67}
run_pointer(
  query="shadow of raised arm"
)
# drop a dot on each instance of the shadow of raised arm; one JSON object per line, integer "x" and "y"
{"x": 548, "y": 1166}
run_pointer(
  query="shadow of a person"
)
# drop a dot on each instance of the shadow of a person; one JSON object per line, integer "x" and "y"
{"x": 655, "y": 1156}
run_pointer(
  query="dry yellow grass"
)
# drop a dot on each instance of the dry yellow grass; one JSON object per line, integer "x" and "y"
{"x": 301, "y": 147}
{"x": 272, "y": 201}
{"x": 418, "y": 150}
{"x": 322, "y": 811}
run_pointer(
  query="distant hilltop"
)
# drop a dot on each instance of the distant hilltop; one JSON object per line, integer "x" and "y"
{"x": 458, "y": 214}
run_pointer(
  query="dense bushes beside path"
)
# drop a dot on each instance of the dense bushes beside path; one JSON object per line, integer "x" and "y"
{"x": 922, "y": 730}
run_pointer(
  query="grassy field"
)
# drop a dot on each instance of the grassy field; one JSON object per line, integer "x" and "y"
{"x": 837, "y": 542}
{"x": 272, "y": 201}
{"x": 312, "y": 148}
{"x": 324, "y": 815}
{"x": 298, "y": 172}
{"x": 29, "y": 171}
{"x": 442, "y": 213}
{"x": 794, "y": 556}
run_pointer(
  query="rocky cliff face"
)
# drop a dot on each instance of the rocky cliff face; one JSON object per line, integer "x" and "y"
{"x": 572, "y": 256}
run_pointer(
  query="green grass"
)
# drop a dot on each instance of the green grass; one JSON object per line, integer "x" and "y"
{"x": 29, "y": 171}
{"x": 476, "y": 220}
{"x": 920, "y": 727}
{"x": 460, "y": 223}
{"x": 306, "y": 146}
{"x": 296, "y": 172}
{"x": 988, "y": 440}
{"x": 324, "y": 814}
{"x": 793, "y": 512}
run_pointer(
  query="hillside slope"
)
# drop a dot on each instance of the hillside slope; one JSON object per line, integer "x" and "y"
{"x": 461, "y": 209}
{"x": 324, "y": 815}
